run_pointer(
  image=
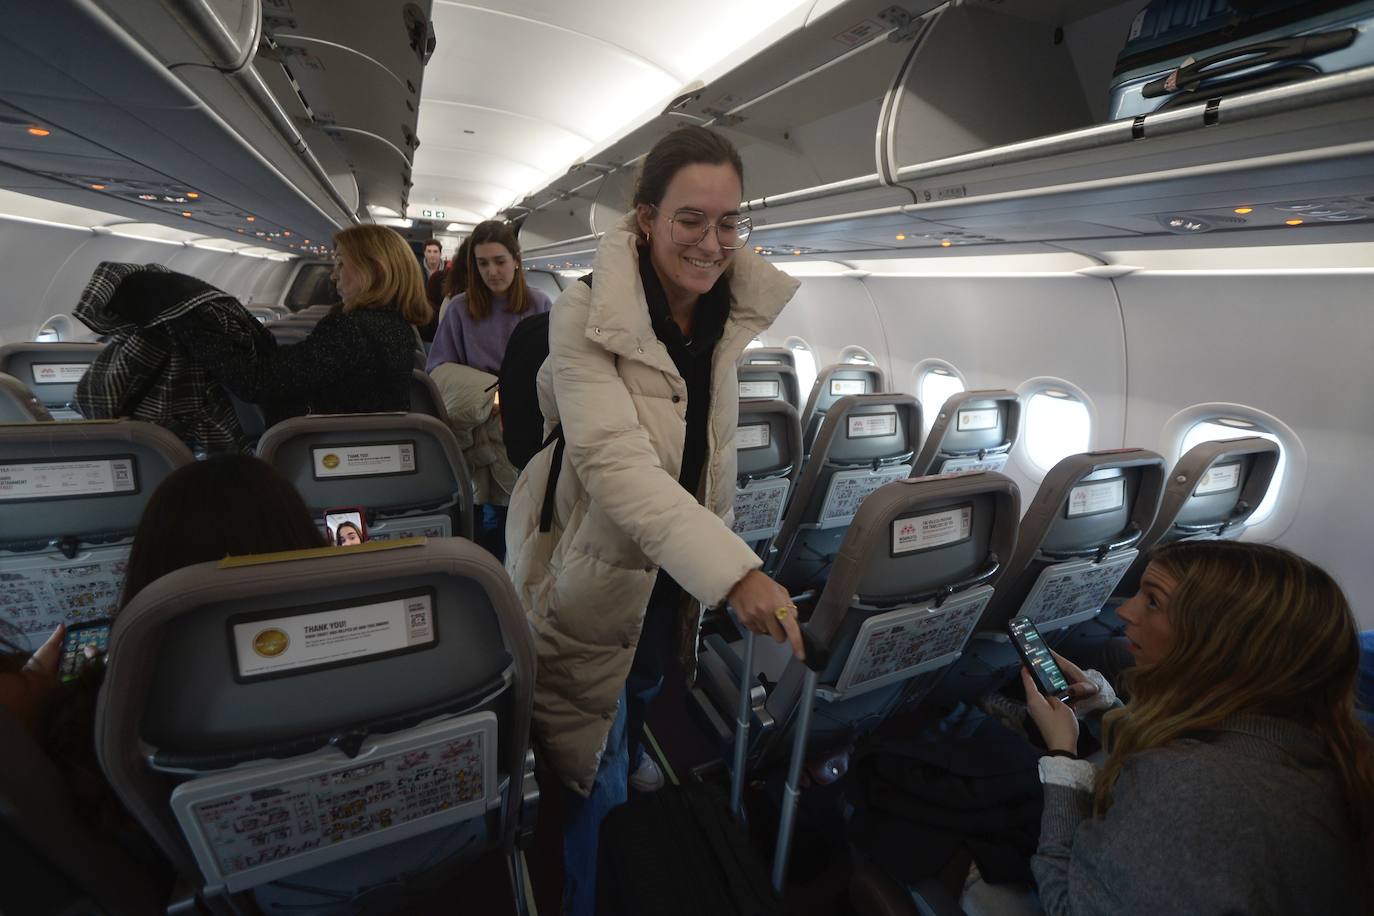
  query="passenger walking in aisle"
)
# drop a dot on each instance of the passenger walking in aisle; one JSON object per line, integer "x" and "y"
{"x": 1238, "y": 778}
{"x": 474, "y": 330}
{"x": 641, "y": 375}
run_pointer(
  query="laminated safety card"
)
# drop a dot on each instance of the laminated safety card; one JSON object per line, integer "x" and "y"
{"x": 758, "y": 508}
{"x": 1076, "y": 587}
{"x": 250, "y": 826}
{"x": 894, "y": 645}
{"x": 972, "y": 464}
{"x": 39, "y": 591}
{"x": 848, "y": 489}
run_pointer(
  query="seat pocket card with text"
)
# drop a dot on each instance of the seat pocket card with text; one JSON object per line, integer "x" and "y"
{"x": 250, "y": 826}
{"x": 759, "y": 505}
{"x": 1074, "y": 591}
{"x": 849, "y": 488}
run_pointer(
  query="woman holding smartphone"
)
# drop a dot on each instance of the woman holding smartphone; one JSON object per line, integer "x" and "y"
{"x": 1238, "y": 779}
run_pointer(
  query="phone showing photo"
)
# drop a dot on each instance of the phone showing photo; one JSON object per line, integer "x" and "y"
{"x": 347, "y": 526}
{"x": 93, "y": 633}
{"x": 1033, "y": 651}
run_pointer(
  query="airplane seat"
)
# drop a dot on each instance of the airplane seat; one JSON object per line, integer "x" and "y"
{"x": 909, "y": 583}
{"x": 18, "y": 404}
{"x": 71, "y": 495}
{"x": 56, "y": 861}
{"x": 263, "y": 313}
{"x": 403, "y": 470}
{"x": 1211, "y": 493}
{"x": 51, "y": 370}
{"x": 309, "y": 727}
{"x": 777, "y": 382}
{"x": 769, "y": 356}
{"x": 768, "y": 453}
{"x": 425, "y": 397}
{"x": 974, "y": 431}
{"x": 287, "y": 333}
{"x": 866, "y": 441}
{"x": 1083, "y": 530}
{"x": 832, "y": 383}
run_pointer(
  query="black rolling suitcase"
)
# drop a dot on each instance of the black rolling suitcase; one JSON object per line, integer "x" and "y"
{"x": 686, "y": 849}
{"x": 1183, "y": 51}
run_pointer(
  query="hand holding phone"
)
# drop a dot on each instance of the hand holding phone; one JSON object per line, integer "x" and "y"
{"x": 1049, "y": 679}
{"x": 83, "y": 643}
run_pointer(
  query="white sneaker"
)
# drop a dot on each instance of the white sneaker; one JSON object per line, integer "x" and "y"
{"x": 647, "y": 777}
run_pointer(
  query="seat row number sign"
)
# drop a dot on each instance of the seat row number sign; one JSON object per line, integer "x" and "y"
{"x": 66, "y": 479}
{"x": 936, "y": 529}
{"x": 58, "y": 373}
{"x": 368, "y": 460}
{"x": 276, "y": 645}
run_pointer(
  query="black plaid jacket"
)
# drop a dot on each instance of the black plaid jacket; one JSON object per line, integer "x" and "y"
{"x": 150, "y": 370}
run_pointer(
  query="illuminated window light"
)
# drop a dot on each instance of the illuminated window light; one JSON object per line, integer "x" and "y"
{"x": 1243, "y": 210}
{"x": 97, "y": 187}
{"x": 39, "y": 131}
{"x": 1292, "y": 222}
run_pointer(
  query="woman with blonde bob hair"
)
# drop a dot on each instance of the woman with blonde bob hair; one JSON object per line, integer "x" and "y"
{"x": 359, "y": 357}
{"x": 1238, "y": 779}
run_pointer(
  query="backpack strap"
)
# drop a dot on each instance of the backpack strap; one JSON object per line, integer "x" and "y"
{"x": 551, "y": 487}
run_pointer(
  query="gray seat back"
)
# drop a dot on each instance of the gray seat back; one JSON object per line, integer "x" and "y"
{"x": 51, "y": 371}
{"x": 777, "y": 383}
{"x": 287, "y": 333}
{"x": 866, "y": 441}
{"x": 18, "y": 404}
{"x": 908, "y": 586}
{"x": 263, "y": 313}
{"x": 404, "y": 469}
{"x": 769, "y": 356}
{"x": 425, "y": 397}
{"x": 768, "y": 454}
{"x": 833, "y": 383}
{"x": 1211, "y": 492}
{"x": 71, "y": 495}
{"x": 974, "y": 431}
{"x": 267, "y": 716}
{"x": 1082, "y": 531}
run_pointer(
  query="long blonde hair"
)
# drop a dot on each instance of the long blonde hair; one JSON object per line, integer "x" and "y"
{"x": 392, "y": 278}
{"x": 1256, "y": 629}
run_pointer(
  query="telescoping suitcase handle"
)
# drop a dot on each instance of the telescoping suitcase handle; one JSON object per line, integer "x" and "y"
{"x": 817, "y": 658}
{"x": 1300, "y": 47}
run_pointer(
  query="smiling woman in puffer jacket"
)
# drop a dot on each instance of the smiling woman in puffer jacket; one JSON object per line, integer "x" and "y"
{"x": 641, "y": 375}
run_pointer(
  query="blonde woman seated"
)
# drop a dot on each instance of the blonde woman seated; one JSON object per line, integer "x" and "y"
{"x": 1238, "y": 778}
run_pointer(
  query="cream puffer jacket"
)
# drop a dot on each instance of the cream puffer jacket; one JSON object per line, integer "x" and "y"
{"x": 619, "y": 511}
{"x": 469, "y": 398}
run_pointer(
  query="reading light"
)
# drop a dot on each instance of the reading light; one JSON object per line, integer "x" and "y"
{"x": 39, "y": 131}
{"x": 945, "y": 243}
{"x": 796, "y": 252}
{"x": 1292, "y": 222}
{"x": 901, "y": 237}
{"x": 286, "y": 232}
{"x": 185, "y": 212}
{"x": 193, "y": 195}
{"x": 146, "y": 197}
{"x": 251, "y": 219}
{"x": 97, "y": 187}
{"x": 1243, "y": 210}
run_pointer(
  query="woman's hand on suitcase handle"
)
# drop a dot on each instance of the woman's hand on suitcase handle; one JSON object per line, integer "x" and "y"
{"x": 763, "y": 607}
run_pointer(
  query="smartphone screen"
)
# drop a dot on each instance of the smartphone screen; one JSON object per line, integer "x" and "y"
{"x": 95, "y": 634}
{"x": 1033, "y": 651}
{"x": 346, "y": 526}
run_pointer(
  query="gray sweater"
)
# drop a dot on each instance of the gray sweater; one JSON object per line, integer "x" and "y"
{"x": 1245, "y": 819}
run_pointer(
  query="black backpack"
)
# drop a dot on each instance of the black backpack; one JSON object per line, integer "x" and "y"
{"x": 522, "y": 421}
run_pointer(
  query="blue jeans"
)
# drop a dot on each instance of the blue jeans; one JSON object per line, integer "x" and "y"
{"x": 583, "y": 817}
{"x": 490, "y": 528}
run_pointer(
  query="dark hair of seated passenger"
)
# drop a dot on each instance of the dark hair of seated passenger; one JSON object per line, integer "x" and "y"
{"x": 228, "y": 505}
{"x": 456, "y": 279}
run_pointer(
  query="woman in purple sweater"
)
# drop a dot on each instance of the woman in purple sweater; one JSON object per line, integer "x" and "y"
{"x": 475, "y": 326}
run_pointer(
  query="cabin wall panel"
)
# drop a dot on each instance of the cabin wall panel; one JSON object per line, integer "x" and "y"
{"x": 30, "y": 254}
{"x": 830, "y": 313}
{"x": 1295, "y": 346}
{"x": 1002, "y": 331}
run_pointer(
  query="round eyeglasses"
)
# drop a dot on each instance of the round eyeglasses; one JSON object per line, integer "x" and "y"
{"x": 689, "y": 227}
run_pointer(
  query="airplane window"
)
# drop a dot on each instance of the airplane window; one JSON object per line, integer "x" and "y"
{"x": 933, "y": 387}
{"x": 806, "y": 363}
{"x": 58, "y": 327}
{"x": 1230, "y": 428}
{"x": 1057, "y": 425}
{"x": 857, "y": 354}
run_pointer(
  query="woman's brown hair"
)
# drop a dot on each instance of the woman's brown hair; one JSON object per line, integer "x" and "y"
{"x": 456, "y": 279}
{"x": 688, "y": 145}
{"x": 518, "y": 298}
{"x": 392, "y": 278}
{"x": 1256, "y": 629}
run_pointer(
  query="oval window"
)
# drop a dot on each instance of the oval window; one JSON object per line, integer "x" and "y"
{"x": 1058, "y": 424}
{"x": 806, "y": 364}
{"x": 934, "y": 385}
{"x": 1214, "y": 428}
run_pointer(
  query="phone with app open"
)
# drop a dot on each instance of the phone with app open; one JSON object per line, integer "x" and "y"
{"x": 1030, "y": 645}
{"x": 347, "y": 525}
{"x": 93, "y": 633}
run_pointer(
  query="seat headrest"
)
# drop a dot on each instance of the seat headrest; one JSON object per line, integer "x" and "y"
{"x": 50, "y": 369}
{"x": 18, "y": 404}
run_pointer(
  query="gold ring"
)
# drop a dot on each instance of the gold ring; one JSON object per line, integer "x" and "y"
{"x": 781, "y": 613}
